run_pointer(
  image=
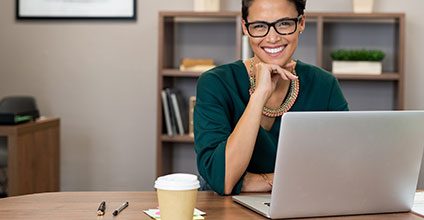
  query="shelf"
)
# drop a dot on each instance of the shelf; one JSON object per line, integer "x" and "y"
{"x": 308, "y": 14}
{"x": 179, "y": 73}
{"x": 178, "y": 139}
{"x": 362, "y": 16}
{"x": 201, "y": 15}
{"x": 353, "y": 76}
{"x": 381, "y": 77}
{"x": 214, "y": 19}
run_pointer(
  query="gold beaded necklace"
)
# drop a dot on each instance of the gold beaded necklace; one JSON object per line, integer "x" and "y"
{"x": 288, "y": 101}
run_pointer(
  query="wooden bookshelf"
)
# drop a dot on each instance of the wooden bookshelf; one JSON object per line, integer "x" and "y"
{"x": 217, "y": 35}
{"x": 224, "y": 28}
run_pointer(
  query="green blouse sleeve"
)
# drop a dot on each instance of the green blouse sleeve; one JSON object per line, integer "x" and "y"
{"x": 337, "y": 101}
{"x": 212, "y": 127}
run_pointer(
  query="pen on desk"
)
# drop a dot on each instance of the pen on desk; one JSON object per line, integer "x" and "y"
{"x": 118, "y": 210}
{"x": 101, "y": 209}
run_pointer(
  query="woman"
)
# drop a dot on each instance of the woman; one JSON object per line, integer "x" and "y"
{"x": 239, "y": 105}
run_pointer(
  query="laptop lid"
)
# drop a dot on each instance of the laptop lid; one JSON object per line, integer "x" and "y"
{"x": 342, "y": 163}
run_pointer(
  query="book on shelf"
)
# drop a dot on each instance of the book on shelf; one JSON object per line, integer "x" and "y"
{"x": 171, "y": 112}
{"x": 176, "y": 106}
{"x": 166, "y": 113}
{"x": 175, "y": 112}
{"x": 192, "y": 103}
{"x": 196, "y": 65}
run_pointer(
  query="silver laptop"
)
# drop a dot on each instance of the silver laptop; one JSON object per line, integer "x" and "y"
{"x": 343, "y": 163}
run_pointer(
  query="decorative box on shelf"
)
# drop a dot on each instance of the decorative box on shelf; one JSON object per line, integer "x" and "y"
{"x": 354, "y": 61}
{"x": 357, "y": 67}
{"x": 363, "y": 6}
{"x": 206, "y": 5}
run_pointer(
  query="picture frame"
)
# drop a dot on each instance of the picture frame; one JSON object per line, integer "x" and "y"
{"x": 76, "y": 9}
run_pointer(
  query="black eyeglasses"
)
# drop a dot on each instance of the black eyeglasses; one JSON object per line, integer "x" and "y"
{"x": 284, "y": 26}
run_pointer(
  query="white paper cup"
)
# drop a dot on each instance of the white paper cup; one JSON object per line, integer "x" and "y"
{"x": 177, "y": 195}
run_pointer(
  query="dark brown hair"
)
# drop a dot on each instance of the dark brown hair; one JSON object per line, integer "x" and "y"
{"x": 245, "y": 5}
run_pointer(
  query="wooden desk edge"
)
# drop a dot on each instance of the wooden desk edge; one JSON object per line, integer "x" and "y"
{"x": 216, "y": 207}
{"x": 29, "y": 126}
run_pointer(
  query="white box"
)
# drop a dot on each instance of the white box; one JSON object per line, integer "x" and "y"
{"x": 363, "y": 6}
{"x": 357, "y": 67}
{"x": 206, "y": 5}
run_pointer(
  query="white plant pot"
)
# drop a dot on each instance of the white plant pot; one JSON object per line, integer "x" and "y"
{"x": 363, "y": 6}
{"x": 206, "y": 5}
{"x": 357, "y": 67}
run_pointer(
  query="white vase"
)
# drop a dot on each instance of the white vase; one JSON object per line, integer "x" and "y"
{"x": 363, "y": 6}
{"x": 206, "y": 5}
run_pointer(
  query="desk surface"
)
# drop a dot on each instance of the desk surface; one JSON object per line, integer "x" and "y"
{"x": 83, "y": 205}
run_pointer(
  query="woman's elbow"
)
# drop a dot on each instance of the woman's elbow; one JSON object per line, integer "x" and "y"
{"x": 227, "y": 190}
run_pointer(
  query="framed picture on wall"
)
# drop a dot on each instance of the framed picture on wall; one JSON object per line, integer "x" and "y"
{"x": 76, "y": 9}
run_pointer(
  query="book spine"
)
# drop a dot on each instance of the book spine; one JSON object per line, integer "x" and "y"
{"x": 177, "y": 112}
{"x": 171, "y": 111}
{"x": 191, "y": 114}
{"x": 166, "y": 113}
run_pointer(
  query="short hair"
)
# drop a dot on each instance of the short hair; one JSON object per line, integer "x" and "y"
{"x": 245, "y": 5}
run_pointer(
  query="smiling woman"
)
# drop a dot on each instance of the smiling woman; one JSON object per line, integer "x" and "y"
{"x": 76, "y": 9}
{"x": 239, "y": 105}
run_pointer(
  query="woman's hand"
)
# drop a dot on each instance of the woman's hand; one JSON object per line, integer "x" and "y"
{"x": 257, "y": 182}
{"x": 268, "y": 75}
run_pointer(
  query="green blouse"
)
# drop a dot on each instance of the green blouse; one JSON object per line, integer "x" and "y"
{"x": 222, "y": 96}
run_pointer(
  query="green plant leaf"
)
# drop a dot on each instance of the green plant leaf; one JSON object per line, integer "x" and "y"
{"x": 358, "y": 55}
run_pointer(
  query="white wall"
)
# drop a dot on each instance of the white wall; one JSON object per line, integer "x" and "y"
{"x": 99, "y": 77}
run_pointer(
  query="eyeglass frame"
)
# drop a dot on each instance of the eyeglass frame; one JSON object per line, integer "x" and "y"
{"x": 272, "y": 24}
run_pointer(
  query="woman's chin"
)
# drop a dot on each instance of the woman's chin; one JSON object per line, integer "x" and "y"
{"x": 280, "y": 61}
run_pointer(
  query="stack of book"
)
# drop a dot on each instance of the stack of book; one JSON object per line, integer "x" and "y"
{"x": 175, "y": 112}
{"x": 196, "y": 65}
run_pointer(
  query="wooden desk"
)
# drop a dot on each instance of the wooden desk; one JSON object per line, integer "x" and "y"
{"x": 33, "y": 156}
{"x": 83, "y": 205}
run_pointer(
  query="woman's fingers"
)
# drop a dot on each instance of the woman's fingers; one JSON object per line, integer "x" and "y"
{"x": 281, "y": 72}
{"x": 270, "y": 70}
{"x": 284, "y": 73}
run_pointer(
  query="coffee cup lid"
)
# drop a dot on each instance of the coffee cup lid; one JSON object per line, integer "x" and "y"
{"x": 177, "y": 181}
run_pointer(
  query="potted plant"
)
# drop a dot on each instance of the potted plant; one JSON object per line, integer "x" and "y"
{"x": 363, "y": 6}
{"x": 357, "y": 61}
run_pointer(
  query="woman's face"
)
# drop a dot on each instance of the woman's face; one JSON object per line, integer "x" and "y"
{"x": 273, "y": 48}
